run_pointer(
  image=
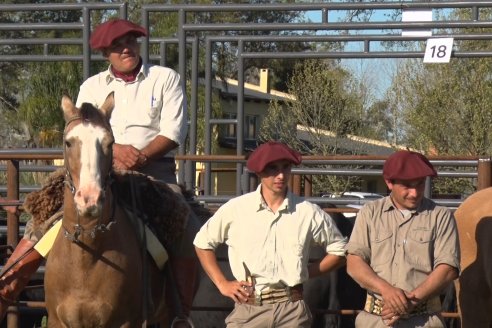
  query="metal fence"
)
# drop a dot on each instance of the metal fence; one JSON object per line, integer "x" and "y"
{"x": 190, "y": 36}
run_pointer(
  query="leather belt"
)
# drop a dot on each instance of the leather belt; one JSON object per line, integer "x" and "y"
{"x": 272, "y": 296}
{"x": 374, "y": 305}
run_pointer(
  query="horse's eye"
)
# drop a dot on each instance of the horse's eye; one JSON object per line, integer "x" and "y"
{"x": 68, "y": 144}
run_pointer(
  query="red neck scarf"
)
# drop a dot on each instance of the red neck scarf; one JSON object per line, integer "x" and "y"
{"x": 128, "y": 77}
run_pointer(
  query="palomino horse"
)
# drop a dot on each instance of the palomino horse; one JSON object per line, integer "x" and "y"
{"x": 96, "y": 273}
{"x": 474, "y": 287}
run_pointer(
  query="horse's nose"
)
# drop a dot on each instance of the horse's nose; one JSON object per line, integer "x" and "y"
{"x": 89, "y": 200}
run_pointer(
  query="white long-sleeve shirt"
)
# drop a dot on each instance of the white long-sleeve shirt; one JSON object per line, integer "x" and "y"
{"x": 151, "y": 105}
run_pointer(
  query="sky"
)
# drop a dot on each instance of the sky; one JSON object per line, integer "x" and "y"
{"x": 376, "y": 72}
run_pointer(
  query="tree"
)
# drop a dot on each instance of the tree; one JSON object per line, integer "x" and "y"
{"x": 325, "y": 106}
{"x": 445, "y": 108}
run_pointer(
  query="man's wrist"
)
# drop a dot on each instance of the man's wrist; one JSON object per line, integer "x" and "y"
{"x": 143, "y": 159}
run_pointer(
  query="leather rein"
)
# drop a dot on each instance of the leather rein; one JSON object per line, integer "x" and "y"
{"x": 78, "y": 229}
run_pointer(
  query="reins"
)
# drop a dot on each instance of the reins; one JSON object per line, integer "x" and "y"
{"x": 143, "y": 247}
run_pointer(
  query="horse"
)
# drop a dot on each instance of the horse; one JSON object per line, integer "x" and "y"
{"x": 474, "y": 286}
{"x": 97, "y": 272}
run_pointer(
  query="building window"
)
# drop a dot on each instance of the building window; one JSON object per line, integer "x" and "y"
{"x": 250, "y": 126}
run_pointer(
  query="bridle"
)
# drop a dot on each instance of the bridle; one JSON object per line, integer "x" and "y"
{"x": 78, "y": 229}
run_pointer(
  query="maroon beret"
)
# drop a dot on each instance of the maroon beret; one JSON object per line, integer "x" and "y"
{"x": 107, "y": 32}
{"x": 407, "y": 165}
{"x": 269, "y": 152}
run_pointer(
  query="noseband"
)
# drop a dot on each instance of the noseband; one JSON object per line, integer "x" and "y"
{"x": 78, "y": 229}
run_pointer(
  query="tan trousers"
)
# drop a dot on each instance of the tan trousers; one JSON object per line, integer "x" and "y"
{"x": 280, "y": 315}
{"x": 367, "y": 320}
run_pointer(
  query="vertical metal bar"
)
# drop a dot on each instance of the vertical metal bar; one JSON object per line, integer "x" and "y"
{"x": 240, "y": 114}
{"x": 13, "y": 226}
{"x": 163, "y": 52}
{"x": 12, "y": 194}
{"x": 86, "y": 50}
{"x": 182, "y": 73}
{"x": 253, "y": 181}
{"x": 190, "y": 167}
{"x": 484, "y": 171}
{"x": 475, "y": 13}
{"x": 124, "y": 10}
{"x": 208, "y": 113}
{"x": 324, "y": 15}
{"x": 428, "y": 188}
{"x": 144, "y": 46}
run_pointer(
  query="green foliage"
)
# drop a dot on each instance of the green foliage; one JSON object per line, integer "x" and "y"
{"x": 445, "y": 109}
{"x": 41, "y": 106}
{"x": 325, "y": 103}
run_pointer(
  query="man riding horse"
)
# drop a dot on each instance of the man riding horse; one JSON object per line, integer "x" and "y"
{"x": 149, "y": 122}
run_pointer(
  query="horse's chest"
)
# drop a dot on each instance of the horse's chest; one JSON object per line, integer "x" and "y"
{"x": 74, "y": 313}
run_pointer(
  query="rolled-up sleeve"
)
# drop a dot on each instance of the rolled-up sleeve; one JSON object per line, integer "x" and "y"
{"x": 359, "y": 243}
{"x": 446, "y": 248}
{"x": 214, "y": 231}
{"x": 328, "y": 235}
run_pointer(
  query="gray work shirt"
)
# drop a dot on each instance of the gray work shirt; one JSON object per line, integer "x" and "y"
{"x": 404, "y": 250}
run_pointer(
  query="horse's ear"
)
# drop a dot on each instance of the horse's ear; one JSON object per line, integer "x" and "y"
{"x": 68, "y": 107}
{"x": 108, "y": 105}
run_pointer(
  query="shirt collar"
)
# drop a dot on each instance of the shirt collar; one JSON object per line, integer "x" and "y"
{"x": 388, "y": 205}
{"x": 262, "y": 205}
{"x": 144, "y": 71}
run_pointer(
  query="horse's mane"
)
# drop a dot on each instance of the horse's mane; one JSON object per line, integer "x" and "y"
{"x": 165, "y": 211}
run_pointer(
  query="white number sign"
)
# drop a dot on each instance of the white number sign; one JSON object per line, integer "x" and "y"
{"x": 438, "y": 50}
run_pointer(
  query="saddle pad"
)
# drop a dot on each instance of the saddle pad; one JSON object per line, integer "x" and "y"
{"x": 155, "y": 248}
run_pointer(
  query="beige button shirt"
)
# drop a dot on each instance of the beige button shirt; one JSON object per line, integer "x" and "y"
{"x": 404, "y": 250}
{"x": 151, "y": 105}
{"x": 274, "y": 246}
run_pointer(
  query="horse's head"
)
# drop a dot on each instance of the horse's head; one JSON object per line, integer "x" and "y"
{"x": 88, "y": 142}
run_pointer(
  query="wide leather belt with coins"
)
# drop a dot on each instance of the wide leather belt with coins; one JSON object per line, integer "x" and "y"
{"x": 374, "y": 305}
{"x": 272, "y": 296}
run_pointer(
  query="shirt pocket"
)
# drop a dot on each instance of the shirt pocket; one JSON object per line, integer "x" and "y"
{"x": 382, "y": 247}
{"x": 419, "y": 248}
{"x": 154, "y": 109}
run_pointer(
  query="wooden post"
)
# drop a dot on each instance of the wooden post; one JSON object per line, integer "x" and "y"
{"x": 484, "y": 171}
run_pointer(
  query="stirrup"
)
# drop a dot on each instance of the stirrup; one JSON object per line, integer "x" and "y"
{"x": 185, "y": 319}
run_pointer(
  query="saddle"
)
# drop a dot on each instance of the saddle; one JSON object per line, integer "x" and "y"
{"x": 157, "y": 205}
